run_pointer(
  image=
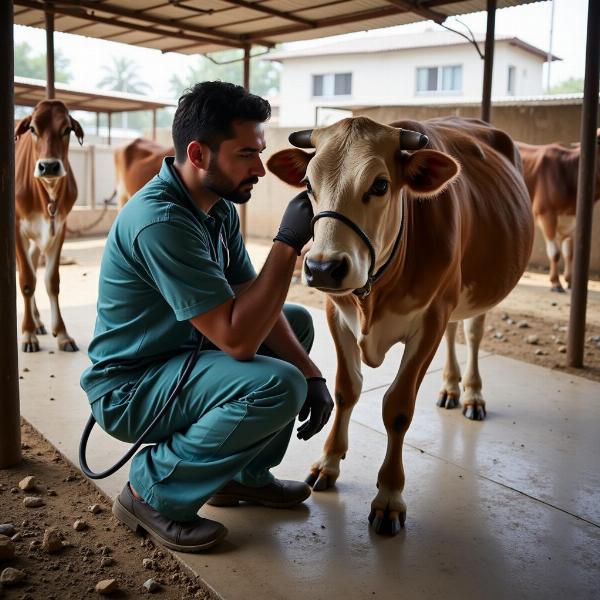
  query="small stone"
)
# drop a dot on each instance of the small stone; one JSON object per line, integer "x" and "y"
{"x": 594, "y": 338}
{"x": 28, "y": 483}
{"x": 106, "y": 561}
{"x": 563, "y": 328}
{"x": 151, "y": 586}
{"x": 107, "y": 586}
{"x": 35, "y": 544}
{"x": 14, "y": 490}
{"x": 562, "y": 349}
{"x": 510, "y": 322}
{"x": 554, "y": 303}
{"x": 522, "y": 324}
{"x": 540, "y": 352}
{"x": 11, "y": 576}
{"x": 79, "y": 525}
{"x": 25, "y": 370}
{"x": 505, "y": 316}
{"x": 95, "y": 509}
{"x": 51, "y": 493}
{"x": 532, "y": 339}
{"x": 7, "y": 548}
{"x": 52, "y": 542}
{"x": 148, "y": 563}
{"x": 499, "y": 335}
{"x": 7, "y": 529}
{"x": 33, "y": 502}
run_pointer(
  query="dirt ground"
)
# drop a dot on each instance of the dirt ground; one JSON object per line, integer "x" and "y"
{"x": 531, "y": 309}
{"x": 105, "y": 549}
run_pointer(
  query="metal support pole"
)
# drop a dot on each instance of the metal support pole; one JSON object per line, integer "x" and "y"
{"x": 488, "y": 63}
{"x": 109, "y": 116}
{"x": 50, "y": 55}
{"x": 154, "y": 125}
{"x": 243, "y": 208}
{"x": 585, "y": 190}
{"x": 97, "y": 123}
{"x": 10, "y": 426}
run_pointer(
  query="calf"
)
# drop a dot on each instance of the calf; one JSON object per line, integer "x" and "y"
{"x": 551, "y": 173}
{"x": 45, "y": 192}
{"x": 405, "y": 245}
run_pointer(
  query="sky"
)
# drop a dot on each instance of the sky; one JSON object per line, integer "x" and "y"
{"x": 530, "y": 22}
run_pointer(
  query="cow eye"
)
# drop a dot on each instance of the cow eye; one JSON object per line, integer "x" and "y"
{"x": 308, "y": 186}
{"x": 379, "y": 187}
{"x": 33, "y": 131}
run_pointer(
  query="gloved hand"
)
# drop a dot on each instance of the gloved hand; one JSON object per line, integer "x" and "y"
{"x": 318, "y": 404}
{"x": 295, "y": 229}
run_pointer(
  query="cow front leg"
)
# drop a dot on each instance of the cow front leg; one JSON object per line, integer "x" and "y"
{"x": 348, "y": 385}
{"x": 34, "y": 257}
{"x": 27, "y": 283}
{"x": 547, "y": 224}
{"x": 473, "y": 402}
{"x": 64, "y": 340}
{"x": 567, "y": 252}
{"x": 450, "y": 392}
{"x": 388, "y": 509}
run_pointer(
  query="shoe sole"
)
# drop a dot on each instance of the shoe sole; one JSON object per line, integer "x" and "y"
{"x": 138, "y": 526}
{"x": 235, "y": 499}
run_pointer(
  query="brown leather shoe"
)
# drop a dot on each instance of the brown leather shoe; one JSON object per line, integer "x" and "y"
{"x": 277, "y": 494}
{"x": 190, "y": 536}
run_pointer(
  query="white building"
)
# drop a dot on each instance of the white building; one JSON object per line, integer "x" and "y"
{"x": 421, "y": 67}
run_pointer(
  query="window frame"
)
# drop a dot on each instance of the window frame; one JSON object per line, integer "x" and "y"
{"x": 328, "y": 83}
{"x": 440, "y": 91}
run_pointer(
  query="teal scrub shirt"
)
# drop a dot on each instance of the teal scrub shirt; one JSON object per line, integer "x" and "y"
{"x": 165, "y": 261}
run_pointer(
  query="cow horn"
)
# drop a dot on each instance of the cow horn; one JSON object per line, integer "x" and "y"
{"x": 412, "y": 140}
{"x": 301, "y": 139}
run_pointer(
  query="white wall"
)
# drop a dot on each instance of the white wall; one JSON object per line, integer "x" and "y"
{"x": 390, "y": 77}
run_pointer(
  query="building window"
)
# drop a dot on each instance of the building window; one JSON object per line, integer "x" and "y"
{"x": 439, "y": 79}
{"x": 512, "y": 78}
{"x": 332, "y": 84}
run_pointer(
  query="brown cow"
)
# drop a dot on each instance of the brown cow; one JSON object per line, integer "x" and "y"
{"x": 45, "y": 192}
{"x": 551, "y": 173}
{"x": 405, "y": 245}
{"x": 136, "y": 163}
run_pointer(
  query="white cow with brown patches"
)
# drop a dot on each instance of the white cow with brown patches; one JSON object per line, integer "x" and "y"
{"x": 45, "y": 192}
{"x": 405, "y": 245}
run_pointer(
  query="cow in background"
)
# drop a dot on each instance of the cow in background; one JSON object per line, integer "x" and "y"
{"x": 136, "y": 163}
{"x": 406, "y": 244}
{"x": 551, "y": 173}
{"x": 45, "y": 192}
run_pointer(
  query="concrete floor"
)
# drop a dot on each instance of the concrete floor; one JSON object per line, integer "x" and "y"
{"x": 505, "y": 508}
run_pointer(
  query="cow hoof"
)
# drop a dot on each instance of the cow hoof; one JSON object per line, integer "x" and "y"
{"x": 387, "y": 522}
{"x": 558, "y": 288}
{"x": 447, "y": 400}
{"x": 68, "y": 346}
{"x": 41, "y": 330}
{"x": 30, "y": 346}
{"x": 320, "y": 482}
{"x": 474, "y": 412}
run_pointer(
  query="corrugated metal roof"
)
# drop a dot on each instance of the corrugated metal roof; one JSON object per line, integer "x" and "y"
{"x": 406, "y": 41}
{"x": 28, "y": 92}
{"x": 202, "y": 26}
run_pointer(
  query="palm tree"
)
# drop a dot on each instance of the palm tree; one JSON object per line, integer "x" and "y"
{"x": 122, "y": 76}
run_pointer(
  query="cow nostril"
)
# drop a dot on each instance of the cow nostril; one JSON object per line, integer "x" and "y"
{"x": 55, "y": 167}
{"x": 340, "y": 270}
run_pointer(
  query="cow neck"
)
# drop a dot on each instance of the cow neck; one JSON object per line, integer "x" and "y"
{"x": 364, "y": 291}
{"x": 50, "y": 200}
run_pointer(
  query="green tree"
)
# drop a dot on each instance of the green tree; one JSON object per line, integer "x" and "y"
{"x": 264, "y": 75}
{"x": 567, "y": 86}
{"x": 28, "y": 64}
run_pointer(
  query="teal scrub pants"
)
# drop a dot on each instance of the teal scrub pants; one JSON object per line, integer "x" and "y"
{"x": 231, "y": 420}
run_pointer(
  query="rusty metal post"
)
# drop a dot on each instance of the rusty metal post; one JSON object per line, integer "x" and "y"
{"x": 50, "y": 55}
{"x": 243, "y": 207}
{"x": 488, "y": 62}
{"x": 10, "y": 427}
{"x": 154, "y": 125}
{"x": 585, "y": 190}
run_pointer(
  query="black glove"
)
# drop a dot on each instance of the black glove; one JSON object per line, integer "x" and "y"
{"x": 319, "y": 404}
{"x": 295, "y": 229}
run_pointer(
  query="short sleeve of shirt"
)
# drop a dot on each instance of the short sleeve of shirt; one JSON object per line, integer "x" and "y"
{"x": 240, "y": 269}
{"x": 174, "y": 257}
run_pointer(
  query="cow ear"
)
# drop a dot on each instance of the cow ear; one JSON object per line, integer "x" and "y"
{"x": 22, "y": 127}
{"x": 290, "y": 165}
{"x": 77, "y": 129}
{"x": 428, "y": 172}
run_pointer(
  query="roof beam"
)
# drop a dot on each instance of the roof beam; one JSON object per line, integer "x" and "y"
{"x": 413, "y": 7}
{"x": 90, "y": 16}
{"x": 273, "y": 12}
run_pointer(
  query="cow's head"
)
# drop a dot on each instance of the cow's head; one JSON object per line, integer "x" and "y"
{"x": 358, "y": 171}
{"x": 50, "y": 127}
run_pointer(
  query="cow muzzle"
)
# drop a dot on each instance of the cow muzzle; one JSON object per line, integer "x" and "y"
{"x": 49, "y": 168}
{"x": 326, "y": 275}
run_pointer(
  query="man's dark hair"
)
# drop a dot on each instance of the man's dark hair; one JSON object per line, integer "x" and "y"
{"x": 206, "y": 111}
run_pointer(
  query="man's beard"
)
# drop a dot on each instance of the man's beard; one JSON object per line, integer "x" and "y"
{"x": 218, "y": 183}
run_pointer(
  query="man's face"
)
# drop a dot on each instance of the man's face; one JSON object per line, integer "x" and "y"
{"x": 236, "y": 166}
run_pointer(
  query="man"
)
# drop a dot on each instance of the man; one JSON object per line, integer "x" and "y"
{"x": 175, "y": 273}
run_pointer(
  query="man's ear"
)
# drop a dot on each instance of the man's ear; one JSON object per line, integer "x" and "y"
{"x": 198, "y": 154}
{"x": 427, "y": 172}
{"x": 22, "y": 127}
{"x": 77, "y": 129}
{"x": 290, "y": 165}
